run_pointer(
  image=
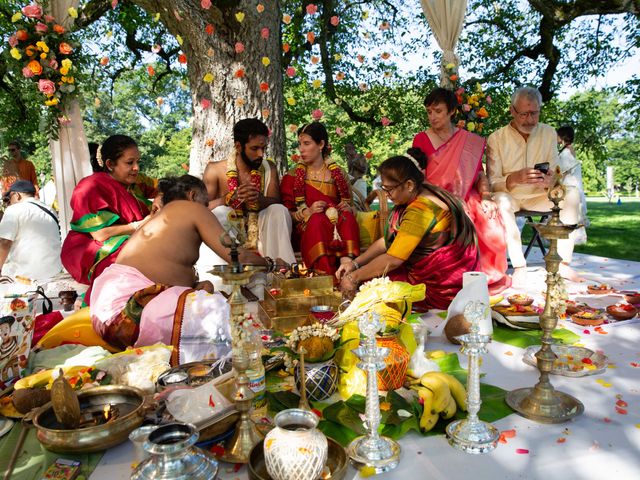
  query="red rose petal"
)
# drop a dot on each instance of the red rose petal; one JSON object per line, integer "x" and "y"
{"x": 606, "y": 420}
{"x": 586, "y": 332}
{"x": 561, "y": 440}
{"x": 522, "y": 451}
{"x": 621, "y": 411}
{"x": 587, "y": 361}
{"x": 622, "y": 403}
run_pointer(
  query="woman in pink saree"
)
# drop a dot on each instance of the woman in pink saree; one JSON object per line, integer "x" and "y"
{"x": 455, "y": 164}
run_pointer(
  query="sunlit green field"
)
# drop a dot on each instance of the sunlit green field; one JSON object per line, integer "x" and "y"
{"x": 614, "y": 230}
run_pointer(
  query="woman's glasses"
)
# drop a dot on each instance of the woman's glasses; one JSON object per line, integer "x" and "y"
{"x": 389, "y": 190}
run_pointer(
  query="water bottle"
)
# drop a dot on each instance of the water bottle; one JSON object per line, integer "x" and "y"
{"x": 256, "y": 372}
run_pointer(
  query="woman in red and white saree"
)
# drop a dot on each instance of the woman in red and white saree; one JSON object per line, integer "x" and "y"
{"x": 455, "y": 164}
{"x": 318, "y": 195}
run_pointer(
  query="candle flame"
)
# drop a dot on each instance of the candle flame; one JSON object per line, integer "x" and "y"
{"x": 107, "y": 411}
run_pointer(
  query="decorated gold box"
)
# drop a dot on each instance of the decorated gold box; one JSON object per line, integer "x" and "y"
{"x": 287, "y": 304}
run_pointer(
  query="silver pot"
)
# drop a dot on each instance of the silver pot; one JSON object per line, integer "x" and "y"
{"x": 173, "y": 455}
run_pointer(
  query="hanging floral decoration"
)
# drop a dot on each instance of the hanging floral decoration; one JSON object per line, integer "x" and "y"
{"x": 473, "y": 103}
{"x": 43, "y": 53}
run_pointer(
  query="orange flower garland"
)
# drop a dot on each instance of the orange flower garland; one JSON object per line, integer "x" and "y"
{"x": 42, "y": 52}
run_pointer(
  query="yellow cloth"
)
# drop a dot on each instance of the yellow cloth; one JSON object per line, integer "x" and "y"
{"x": 370, "y": 228}
{"x": 420, "y": 219}
{"x": 508, "y": 152}
{"x": 76, "y": 328}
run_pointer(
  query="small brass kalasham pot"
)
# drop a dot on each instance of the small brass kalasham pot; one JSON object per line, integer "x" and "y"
{"x": 129, "y": 402}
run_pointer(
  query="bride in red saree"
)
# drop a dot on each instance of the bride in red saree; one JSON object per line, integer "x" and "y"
{"x": 318, "y": 195}
{"x": 455, "y": 164}
{"x": 107, "y": 208}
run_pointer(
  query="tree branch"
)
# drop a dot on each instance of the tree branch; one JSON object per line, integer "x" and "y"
{"x": 92, "y": 11}
{"x": 327, "y": 69}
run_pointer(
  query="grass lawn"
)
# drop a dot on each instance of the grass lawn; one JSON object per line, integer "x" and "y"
{"x": 614, "y": 230}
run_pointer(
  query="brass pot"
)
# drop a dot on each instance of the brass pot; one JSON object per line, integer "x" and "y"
{"x": 130, "y": 402}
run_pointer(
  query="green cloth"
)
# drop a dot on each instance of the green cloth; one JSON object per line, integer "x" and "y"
{"x": 526, "y": 338}
{"x": 34, "y": 459}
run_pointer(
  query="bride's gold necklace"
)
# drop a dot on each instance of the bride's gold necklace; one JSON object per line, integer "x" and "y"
{"x": 317, "y": 175}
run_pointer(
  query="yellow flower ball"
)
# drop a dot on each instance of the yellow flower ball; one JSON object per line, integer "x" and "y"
{"x": 291, "y": 101}
{"x": 15, "y": 53}
{"x": 316, "y": 83}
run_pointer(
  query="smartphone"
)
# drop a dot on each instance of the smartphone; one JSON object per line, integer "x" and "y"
{"x": 543, "y": 167}
{"x": 63, "y": 469}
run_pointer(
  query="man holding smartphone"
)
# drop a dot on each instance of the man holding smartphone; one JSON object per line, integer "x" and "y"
{"x": 521, "y": 159}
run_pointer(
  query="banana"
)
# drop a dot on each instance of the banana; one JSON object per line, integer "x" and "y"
{"x": 428, "y": 420}
{"x": 450, "y": 411}
{"x": 440, "y": 389}
{"x": 458, "y": 391}
{"x": 45, "y": 377}
{"x": 429, "y": 416}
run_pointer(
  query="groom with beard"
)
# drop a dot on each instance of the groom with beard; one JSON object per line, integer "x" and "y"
{"x": 247, "y": 184}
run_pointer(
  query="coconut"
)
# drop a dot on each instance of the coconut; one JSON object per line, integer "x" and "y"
{"x": 456, "y": 326}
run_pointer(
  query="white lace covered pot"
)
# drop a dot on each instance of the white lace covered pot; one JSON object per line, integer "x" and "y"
{"x": 295, "y": 449}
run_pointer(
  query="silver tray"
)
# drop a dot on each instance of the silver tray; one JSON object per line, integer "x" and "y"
{"x": 598, "y": 360}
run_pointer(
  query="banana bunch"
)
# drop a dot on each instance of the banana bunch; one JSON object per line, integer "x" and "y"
{"x": 442, "y": 395}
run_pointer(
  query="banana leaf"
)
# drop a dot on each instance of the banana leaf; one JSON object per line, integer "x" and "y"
{"x": 526, "y": 338}
{"x": 342, "y": 420}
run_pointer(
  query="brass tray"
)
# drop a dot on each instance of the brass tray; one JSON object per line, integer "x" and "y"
{"x": 598, "y": 360}
{"x": 337, "y": 462}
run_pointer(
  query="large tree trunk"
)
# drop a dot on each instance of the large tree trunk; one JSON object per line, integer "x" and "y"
{"x": 228, "y": 98}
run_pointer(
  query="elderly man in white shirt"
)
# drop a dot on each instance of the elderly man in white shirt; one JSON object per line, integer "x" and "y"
{"x": 512, "y": 153}
{"x": 29, "y": 236}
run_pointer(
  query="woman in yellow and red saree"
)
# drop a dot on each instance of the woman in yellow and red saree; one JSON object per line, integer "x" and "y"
{"x": 429, "y": 238}
{"x": 318, "y": 195}
{"x": 107, "y": 208}
{"x": 455, "y": 164}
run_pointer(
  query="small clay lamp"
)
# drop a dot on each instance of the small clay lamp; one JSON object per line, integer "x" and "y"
{"x": 67, "y": 299}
